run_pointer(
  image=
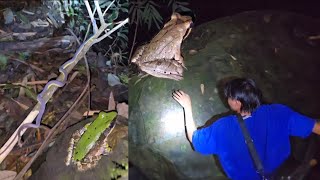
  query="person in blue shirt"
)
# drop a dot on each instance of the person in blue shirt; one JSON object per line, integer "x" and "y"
{"x": 269, "y": 127}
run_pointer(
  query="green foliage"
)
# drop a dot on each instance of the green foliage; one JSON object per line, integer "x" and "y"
{"x": 122, "y": 34}
{"x": 24, "y": 55}
{"x": 117, "y": 10}
{"x": 124, "y": 78}
{"x": 145, "y": 12}
{"x": 74, "y": 10}
{"x": 22, "y": 18}
{"x": 3, "y": 62}
{"x": 118, "y": 48}
{"x": 178, "y": 5}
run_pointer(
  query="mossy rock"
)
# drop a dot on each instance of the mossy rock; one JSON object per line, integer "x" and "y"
{"x": 271, "y": 47}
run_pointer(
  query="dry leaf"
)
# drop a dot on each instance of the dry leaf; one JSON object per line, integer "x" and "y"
{"x": 112, "y": 103}
{"x": 193, "y": 52}
{"x": 23, "y": 106}
{"x": 314, "y": 37}
{"x": 234, "y": 58}
{"x": 122, "y": 109}
{"x": 73, "y": 76}
{"x": 7, "y": 175}
{"x": 24, "y": 83}
{"x": 202, "y": 88}
{"x": 90, "y": 113}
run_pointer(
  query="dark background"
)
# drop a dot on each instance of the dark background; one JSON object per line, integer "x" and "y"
{"x": 208, "y": 10}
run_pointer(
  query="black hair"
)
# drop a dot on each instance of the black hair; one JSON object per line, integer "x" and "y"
{"x": 245, "y": 91}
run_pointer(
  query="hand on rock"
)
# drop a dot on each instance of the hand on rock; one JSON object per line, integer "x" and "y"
{"x": 182, "y": 98}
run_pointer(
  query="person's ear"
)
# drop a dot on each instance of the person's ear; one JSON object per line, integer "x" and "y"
{"x": 238, "y": 103}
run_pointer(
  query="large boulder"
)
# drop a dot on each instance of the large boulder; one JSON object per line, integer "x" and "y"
{"x": 273, "y": 48}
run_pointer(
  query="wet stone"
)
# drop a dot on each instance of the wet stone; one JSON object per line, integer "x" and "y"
{"x": 269, "y": 46}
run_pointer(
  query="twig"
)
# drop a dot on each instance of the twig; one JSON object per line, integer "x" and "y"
{"x": 22, "y": 150}
{"x": 23, "y": 106}
{"x": 87, "y": 68}
{"x": 108, "y": 7}
{"x": 96, "y": 3}
{"x": 112, "y": 30}
{"x": 110, "y": 46}
{"x": 94, "y": 24}
{"x": 27, "y": 83}
{"x": 89, "y": 26}
{"x": 53, "y": 131}
{"x": 134, "y": 40}
{"x": 51, "y": 134}
{"x": 32, "y": 66}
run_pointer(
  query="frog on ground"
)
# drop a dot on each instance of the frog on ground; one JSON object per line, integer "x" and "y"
{"x": 88, "y": 144}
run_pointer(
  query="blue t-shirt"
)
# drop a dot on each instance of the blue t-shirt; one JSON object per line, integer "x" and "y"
{"x": 269, "y": 126}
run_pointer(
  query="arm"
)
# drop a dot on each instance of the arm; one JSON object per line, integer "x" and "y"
{"x": 316, "y": 128}
{"x": 298, "y": 124}
{"x": 184, "y": 100}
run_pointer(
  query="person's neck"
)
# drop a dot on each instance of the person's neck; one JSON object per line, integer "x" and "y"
{"x": 244, "y": 114}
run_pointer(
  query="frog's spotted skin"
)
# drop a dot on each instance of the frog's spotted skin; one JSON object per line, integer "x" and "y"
{"x": 87, "y": 145}
{"x": 161, "y": 57}
{"x": 164, "y": 68}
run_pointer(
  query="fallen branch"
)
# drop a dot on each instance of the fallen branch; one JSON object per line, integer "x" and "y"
{"x": 95, "y": 38}
{"x": 27, "y": 83}
{"x": 38, "y": 44}
{"x": 21, "y": 36}
{"x": 53, "y": 132}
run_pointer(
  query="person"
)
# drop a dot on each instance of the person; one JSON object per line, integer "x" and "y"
{"x": 269, "y": 126}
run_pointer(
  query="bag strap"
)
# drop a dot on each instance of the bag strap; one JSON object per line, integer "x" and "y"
{"x": 252, "y": 150}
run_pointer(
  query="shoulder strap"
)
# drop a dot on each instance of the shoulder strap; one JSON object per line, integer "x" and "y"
{"x": 252, "y": 150}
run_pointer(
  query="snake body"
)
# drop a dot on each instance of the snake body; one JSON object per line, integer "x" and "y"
{"x": 41, "y": 101}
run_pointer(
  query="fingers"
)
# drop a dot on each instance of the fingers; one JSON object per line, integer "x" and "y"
{"x": 175, "y": 95}
{"x": 179, "y": 96}
{"x": 178, "y": 93}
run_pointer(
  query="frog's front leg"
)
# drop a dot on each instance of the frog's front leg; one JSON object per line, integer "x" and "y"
{"x": 137, "y": 54}
{"x": 178, "y": 57}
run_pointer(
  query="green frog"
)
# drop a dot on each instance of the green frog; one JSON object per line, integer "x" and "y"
{"x": 161, "y": 57}
{"x": 89, "y": 143}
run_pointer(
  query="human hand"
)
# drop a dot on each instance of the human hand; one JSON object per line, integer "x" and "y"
{"x": 182, "y": 98}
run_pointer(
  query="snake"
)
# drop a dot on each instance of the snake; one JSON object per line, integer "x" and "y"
{"x": 42, "y": 102}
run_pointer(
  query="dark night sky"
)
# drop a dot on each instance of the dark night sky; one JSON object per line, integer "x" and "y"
{"x": 207, "y": 10}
